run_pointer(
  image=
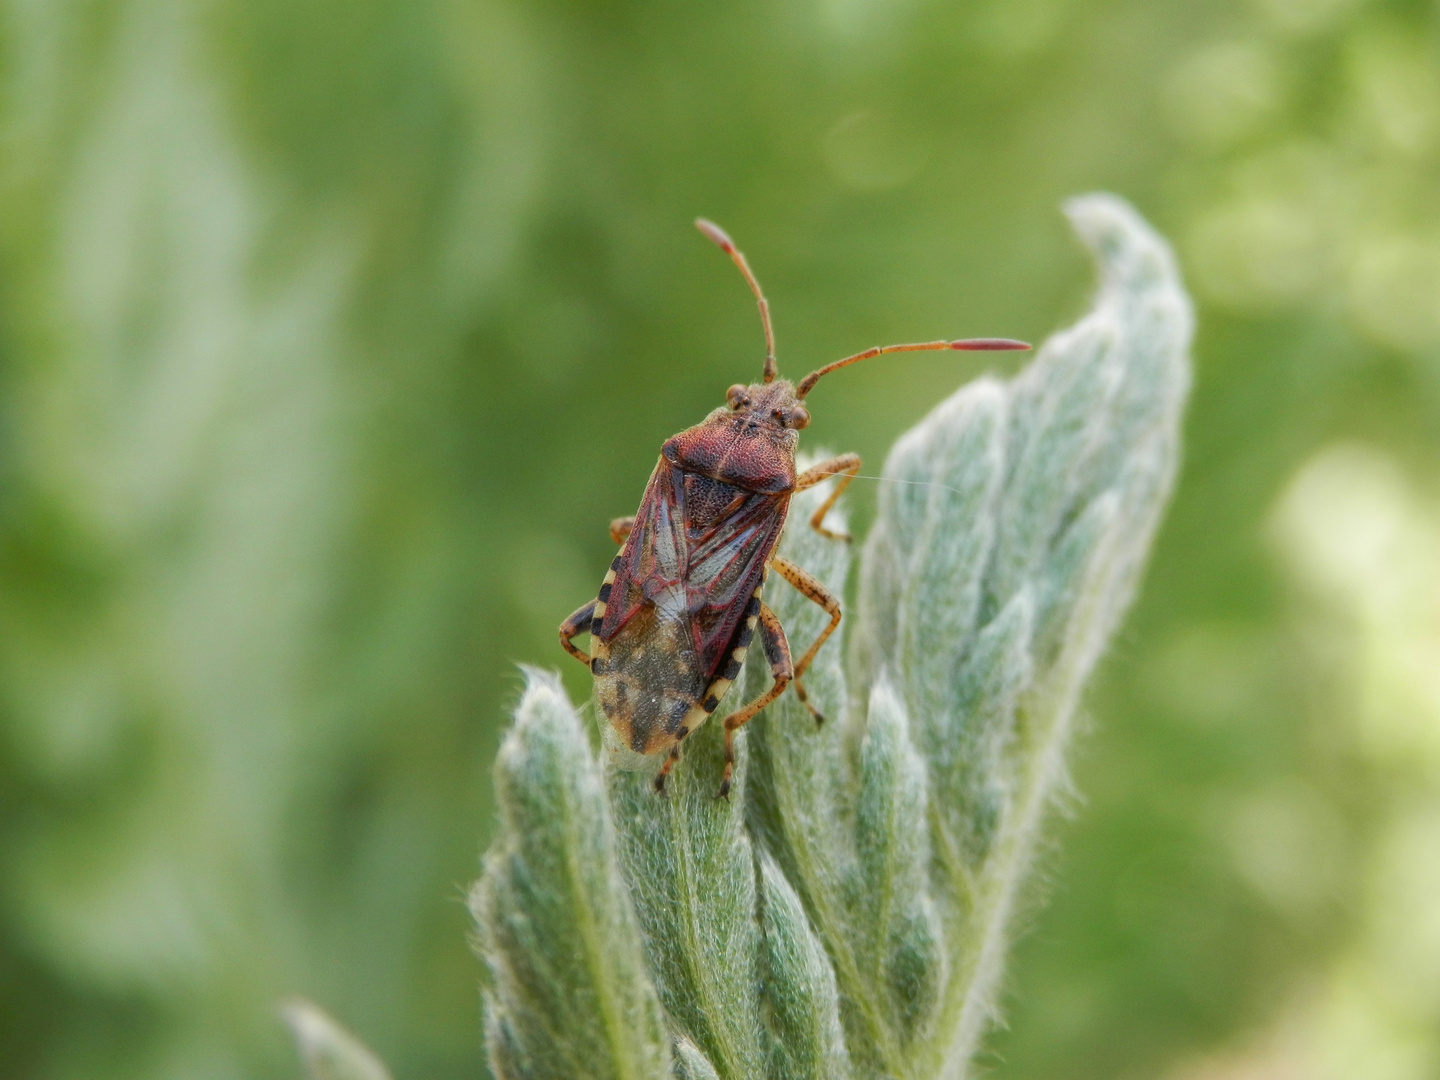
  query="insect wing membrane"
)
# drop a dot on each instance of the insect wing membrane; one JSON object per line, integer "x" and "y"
{"x": 698, "y": 544}
{"x": 727, "y": 560}
{"x": 651, "y": 564}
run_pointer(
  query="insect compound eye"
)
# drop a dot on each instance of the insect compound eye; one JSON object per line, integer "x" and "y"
{"x": 737, "y": 397}
{"x": 799, "y": 418}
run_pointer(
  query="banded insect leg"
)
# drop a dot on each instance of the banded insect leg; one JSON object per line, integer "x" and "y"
{"x": 777, "y": 651}
{"x": 846, "y": 466}
{"x": 580, "y": 622}
{"x": 575, "y": 625}
{"x": 809, "y": 587}
{"x": 670, "y": 760}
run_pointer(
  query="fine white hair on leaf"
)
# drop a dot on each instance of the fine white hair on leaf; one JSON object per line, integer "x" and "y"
{"x": 569, "y": 994}
{"x": 846, "y": 912}
{"x": 690, "y": 1063}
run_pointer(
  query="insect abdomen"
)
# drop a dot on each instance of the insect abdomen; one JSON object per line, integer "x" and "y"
{"x": 648, "y": 679}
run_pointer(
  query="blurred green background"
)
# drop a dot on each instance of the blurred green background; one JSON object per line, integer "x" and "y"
{"x": 332, "y": 334}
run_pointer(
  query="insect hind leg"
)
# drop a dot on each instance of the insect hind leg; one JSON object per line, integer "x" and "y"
{"x": 777, "y": 651}
{"x": 670, "y": 761}
{"x": 808, "y": 586}
{"x": 577, "y": 624}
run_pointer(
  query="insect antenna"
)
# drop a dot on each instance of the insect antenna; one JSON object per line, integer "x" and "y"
{"x": 968, "y": 344}
{"x": 722, "y": 240}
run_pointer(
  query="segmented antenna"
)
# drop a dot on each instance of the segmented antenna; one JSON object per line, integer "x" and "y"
{"x": 968, "y": 345}
{"x": 719, "y": 237}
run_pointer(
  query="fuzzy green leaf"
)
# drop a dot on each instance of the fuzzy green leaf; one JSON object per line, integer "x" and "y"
{"x": 899, "y": 933}
{"x": 690, "y": 1063}
{"x": 691, "y": 871}
{"x": 797, "y": 987}
{"x": 846, "y": 912}
{"x": 569, "y": 995}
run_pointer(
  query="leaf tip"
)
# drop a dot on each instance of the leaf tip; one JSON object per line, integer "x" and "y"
{"x": 327, "y": 1049}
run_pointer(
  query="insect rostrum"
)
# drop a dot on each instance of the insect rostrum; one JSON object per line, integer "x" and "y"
{"x": 683, "y": 600}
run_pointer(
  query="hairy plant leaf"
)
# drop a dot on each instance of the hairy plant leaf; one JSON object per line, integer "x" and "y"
{"x": 569, "y": 995}
{"x": 690, "y": 867}
{"x": 799, "y": 998}
{"x": 846, "y": 912}
{"x": 899, "y": 935}
{"x": 689, "y": 1063}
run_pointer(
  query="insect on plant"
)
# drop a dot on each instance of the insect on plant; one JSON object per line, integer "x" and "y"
{"x": 682, "y": 600}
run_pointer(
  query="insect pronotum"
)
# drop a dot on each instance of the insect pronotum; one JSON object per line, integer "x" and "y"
{"x": 682, "y": 601}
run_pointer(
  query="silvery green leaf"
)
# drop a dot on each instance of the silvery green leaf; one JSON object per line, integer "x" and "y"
{"x": 798, "y": 994}
{"x": 327, "y": 1049}
{"x": 898, "y": 933}
{"x": 846, "y": 912}
{"x": 973, "y": 771}
{"x": 690, "y": 867}
{"x": 801, "y": 805}
{"x": 568, "y": 995}
{"x": 1069, "y": 466}
{"x": 689, "y": 1063}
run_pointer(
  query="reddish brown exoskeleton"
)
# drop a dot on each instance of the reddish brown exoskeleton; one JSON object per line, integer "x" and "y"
{"x": 678, "y": 608}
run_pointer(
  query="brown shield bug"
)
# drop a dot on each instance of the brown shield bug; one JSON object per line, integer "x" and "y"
{"x": 680, "y": 604}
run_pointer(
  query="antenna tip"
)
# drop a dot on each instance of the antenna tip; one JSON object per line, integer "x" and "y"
{"x": 715, "y": 234}
{"x": 989, "y": 344}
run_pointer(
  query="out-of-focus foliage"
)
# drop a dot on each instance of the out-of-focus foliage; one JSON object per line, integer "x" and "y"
{"x": 331, "y": 335}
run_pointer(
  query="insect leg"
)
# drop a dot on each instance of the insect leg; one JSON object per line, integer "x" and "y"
{"x": 777, "y": 651}
{"x": 810, "y": 588}
{"x": 620, "y": 528}
{"x": 578, "y": 623}
{"x": 845, "y": 467}
{"x": 670, "y": 761}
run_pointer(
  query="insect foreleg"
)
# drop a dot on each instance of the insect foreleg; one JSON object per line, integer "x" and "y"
{"x": 845, "y": 467}
{"x": 621, "y": 528}
{"x": 576, "y": 624}
{"x": 777, "y": 651}
{"x": 810, "y": 588}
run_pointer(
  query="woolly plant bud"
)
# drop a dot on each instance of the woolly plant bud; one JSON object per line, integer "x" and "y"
{"x": 846, "y": 912}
